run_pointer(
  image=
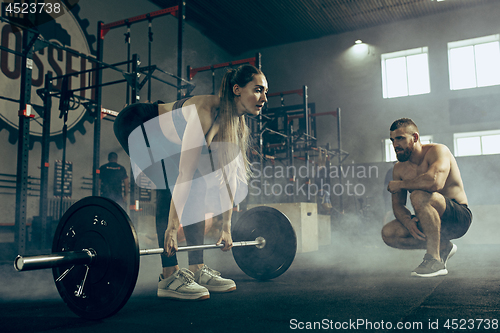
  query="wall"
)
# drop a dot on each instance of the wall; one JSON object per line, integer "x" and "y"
{"x": 342, "y": 75}
{"x": 197, "y": 51}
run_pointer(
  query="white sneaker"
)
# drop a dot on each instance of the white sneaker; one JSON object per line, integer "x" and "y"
{"x": 181, "y": 285}
{"x": 430, "y": 267}
{"x": 212, "y": 280}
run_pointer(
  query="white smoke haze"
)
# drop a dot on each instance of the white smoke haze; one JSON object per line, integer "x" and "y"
{"x": 356, "y": 250}
{"x": 357, "y": 246}
{"x": 33, "y": 285}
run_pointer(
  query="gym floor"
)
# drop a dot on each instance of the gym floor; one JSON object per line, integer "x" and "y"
{"x": 355, "y": 283}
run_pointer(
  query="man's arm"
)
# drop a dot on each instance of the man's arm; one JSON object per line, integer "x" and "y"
{"x": 399, "y": 198}
{"x": 434, "y": 179}
{"x": 402, "y": 214}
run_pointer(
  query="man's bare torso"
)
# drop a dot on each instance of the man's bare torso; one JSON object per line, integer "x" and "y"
{"x": 453, "y": 187}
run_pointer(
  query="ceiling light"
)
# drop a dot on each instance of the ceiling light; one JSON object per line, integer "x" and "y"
{"x": 359, "y": 41}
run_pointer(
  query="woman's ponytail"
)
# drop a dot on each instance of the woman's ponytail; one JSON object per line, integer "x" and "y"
{"x": 226, "y": 87}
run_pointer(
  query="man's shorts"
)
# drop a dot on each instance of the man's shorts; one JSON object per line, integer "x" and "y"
{"x": 456, "y": 219}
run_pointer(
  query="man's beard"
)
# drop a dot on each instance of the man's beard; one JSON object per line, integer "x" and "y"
{"x": 404, "y": 156}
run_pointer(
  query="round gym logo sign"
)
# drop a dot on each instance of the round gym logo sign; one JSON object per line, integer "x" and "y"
{"x": 63, "y": 27}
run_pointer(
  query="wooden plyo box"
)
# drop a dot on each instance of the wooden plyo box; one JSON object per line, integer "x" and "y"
{"x": 304, "y": 219}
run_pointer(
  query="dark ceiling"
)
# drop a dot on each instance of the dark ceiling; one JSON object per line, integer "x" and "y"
{"x": 243, "y": 25}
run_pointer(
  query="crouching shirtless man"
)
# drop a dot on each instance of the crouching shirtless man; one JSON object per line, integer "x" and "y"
{"x": 431, "y": 175}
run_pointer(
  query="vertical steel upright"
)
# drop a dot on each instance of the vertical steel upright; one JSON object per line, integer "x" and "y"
{"x": 24, "y": 141}
{"x": 290, "y": 152}
{"x": 128, "y": 41}
{"x": 261, "y": 157}
{"x": 258, "y": 64}
{"x": 258, "y": 60}
{"x": 44, "y": 163}
{"x": 305, "y": 98}
{"x": 328, "y": 179}
{"x": 134, "y": 88}
{"x": 181, "y": 15}
{"x": 98, "y": 99}
{"x": 339, "y": 137}
{"x": 134, "y": 92}
{"x": 306, "y": 112}
{"x": 150, "y": 41}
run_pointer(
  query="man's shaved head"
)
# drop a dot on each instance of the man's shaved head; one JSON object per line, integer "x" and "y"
{"x": 404, "y": 122}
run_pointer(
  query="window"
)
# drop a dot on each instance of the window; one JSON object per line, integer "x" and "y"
{"x": 405, "y": 73}
{"x": 390, "y": 154}
{"x": 477, "y": 143}
{"x": 474, "y": 62}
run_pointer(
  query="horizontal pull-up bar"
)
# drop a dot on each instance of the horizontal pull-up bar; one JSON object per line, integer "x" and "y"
{"x": 299, "y": 92}
{"x": 98, "y": 85}
{"x": 193, "y": 71}
{"x": 57, "y": 92}
{"x": 332, "y": 152}
{"x": 173, "y": 75}
{"x": 39, "y": 40}
{"x": 10, "y": 99}
{"x": 18, "y": 24}
{"x": 104, "y": 66}
{"x": 331, "y": 113}
{"x": 3, "y": 48}
{"x": 162, "y": 12}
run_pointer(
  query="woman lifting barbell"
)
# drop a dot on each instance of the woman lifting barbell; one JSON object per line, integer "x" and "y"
{"x": 197, "y": 144}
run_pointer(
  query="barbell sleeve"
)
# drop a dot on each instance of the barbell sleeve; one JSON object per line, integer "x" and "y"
{"x": 258, "y": 242}
{"x": 83, "y": 257}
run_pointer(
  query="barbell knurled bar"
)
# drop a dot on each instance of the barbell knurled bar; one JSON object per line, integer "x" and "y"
{"x": 86, "y": 256}
{"x": 259, "y": 242}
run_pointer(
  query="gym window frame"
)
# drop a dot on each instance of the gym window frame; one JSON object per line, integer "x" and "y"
{"x": 474, "y": 63}
{"x": 390, "y": 154}
{"x": 406, "y": 73}
{"x": 476, "y": 143}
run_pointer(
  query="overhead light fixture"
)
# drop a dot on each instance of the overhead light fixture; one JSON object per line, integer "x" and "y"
{"x": 359, "y": 41}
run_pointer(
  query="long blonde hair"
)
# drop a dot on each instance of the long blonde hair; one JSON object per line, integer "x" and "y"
{"x": 234, "y": 129}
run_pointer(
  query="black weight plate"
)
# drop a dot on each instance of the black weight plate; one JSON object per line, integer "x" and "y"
{"x": 281, "y": 243}
{"x": 102, "y": 225}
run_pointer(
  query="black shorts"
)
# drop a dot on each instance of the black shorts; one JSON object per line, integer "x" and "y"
{"x": 456, "y": 220}
{"x": 130, "y": 118}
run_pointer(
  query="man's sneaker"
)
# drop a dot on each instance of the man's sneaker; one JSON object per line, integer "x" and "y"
{"x": 430, "y": 267}
{"x": 448, "y": 252}
{"x": 212, "y": 280}
{"x": 181, "y": 286}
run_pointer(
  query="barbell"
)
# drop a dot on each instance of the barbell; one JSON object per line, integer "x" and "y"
{"x": 95, "y": 253}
